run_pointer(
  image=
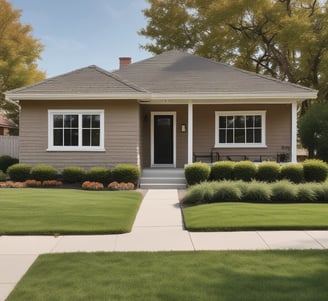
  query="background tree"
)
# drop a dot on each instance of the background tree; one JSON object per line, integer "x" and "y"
{"x": 19, "y": 52}
{"x": 313, "y": 131}
{"x": 282, "y": 38}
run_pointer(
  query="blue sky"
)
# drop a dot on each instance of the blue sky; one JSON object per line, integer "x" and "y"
{"x": 78, "y": 33}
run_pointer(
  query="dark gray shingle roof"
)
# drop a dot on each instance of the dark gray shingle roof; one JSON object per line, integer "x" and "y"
{"x": 88, "y": 80}
{"x": 179, "y": 72}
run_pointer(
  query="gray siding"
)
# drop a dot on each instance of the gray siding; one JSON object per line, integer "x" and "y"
{"x": 121, "y": 134}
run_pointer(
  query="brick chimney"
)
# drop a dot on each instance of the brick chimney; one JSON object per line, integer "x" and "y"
{"x": 124, "y": 61}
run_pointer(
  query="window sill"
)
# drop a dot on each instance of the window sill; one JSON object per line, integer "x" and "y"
{"x": 79, "y": 149}
{"x": 240, "y": 146}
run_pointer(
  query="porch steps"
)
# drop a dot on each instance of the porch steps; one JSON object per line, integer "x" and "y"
{"x": 163, "y": 178}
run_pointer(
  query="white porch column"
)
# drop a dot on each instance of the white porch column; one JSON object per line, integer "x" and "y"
{"x": 190, "y": 132}
{"x": 294, "y": 133}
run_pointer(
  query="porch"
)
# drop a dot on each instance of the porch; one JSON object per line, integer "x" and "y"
{"x": 172, "y": 135}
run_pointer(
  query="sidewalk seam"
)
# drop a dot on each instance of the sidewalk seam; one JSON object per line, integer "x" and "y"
{"x": 258, "y": 233}
{"x": 317, "y": 241}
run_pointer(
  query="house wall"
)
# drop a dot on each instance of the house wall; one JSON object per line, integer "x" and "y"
{"x": 122, "y": 134}
{"x": 278, "y": 130}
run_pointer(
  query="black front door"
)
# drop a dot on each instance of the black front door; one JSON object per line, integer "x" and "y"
{"x": 163, "y": 139}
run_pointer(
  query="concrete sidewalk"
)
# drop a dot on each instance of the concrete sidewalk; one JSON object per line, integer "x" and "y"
{"x": 158, "y": 227}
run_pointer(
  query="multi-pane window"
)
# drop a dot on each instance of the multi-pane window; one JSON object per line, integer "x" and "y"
{"x": 240, "y": 129}
{"x": 82, "y": 130}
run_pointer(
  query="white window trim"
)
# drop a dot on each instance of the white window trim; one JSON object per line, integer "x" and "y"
{"x": 78, "y": 148}
{"x": 240, "y": 145}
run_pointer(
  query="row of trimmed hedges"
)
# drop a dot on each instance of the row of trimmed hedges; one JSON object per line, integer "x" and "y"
{"x": 308, "y": 171}
{"x": 239, "y": 191}
{"x": 74, "y": 174}
{"x": 7, "y": 161}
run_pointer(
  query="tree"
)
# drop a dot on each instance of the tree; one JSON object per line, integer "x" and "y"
{"x": 19, "y": 52}
{"x": 313, "y": 131}
{"x": 282, "y": 38}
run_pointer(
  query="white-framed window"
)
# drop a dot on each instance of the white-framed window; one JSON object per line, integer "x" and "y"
{"x": 240, "y": 129}
{"x": 75, "y": 130}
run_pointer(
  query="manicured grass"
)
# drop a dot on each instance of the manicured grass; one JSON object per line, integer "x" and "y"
{"x": 183, "y": 276}
{"x": 251, "y": 216}
{"x": 66, "y": 211}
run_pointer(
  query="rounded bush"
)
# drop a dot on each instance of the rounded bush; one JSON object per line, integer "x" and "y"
{"x": 258, "y": 192}
{"x": 283, "y": 191}
{"x": 196, "y": 173}
{"x": 7, "y": 161}
{"x": 268, "y": 172}
{"x": 3, "y": 176}
{"x": 292, "y": 172}
{"x": 197, "y": 194}
{"x": 244, "y": 170}
{"x": 43, "y": 172}
{"x": 73, "y": 174}
{"x": 222, "y": 170}
{"x": 99, "y": 174}
{"x": 226, "y": 191}
{"x": 126, "y": 173}
{"x": 315, "y": 170}
{"x": 19, "y": 172}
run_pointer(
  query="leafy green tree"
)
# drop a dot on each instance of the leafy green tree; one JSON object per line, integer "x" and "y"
{"x": 313, "y": 131}
{"x": 19, "y": 52}
{"x": 282, "y": 38}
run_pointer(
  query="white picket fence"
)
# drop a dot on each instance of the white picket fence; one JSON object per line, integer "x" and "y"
{"x": 9, "y": 145}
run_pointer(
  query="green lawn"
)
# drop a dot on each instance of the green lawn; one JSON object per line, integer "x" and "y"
{"x": 181, "y": 276}
{"x": 252, "y": 216}
{"x": 66, "y": 211}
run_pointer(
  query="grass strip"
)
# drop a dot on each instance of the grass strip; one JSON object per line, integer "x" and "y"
{"x": 253, "y": 216}
{"x": 66, "y": 211}
{"x": 183, "y": 276}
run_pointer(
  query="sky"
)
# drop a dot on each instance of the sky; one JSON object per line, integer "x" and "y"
{"x": 79, "y": 33}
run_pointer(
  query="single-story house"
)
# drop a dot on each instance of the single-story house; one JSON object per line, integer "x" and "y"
{"x": 165, "y": 111}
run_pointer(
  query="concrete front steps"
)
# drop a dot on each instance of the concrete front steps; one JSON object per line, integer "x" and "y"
{"x": 163, "y": 178}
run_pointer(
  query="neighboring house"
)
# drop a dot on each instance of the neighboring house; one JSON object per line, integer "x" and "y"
{"x": 159, "y": 112}
{"x": 5, "y": 125}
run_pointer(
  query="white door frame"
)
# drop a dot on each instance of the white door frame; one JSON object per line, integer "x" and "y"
{"x": 152, "y": 117}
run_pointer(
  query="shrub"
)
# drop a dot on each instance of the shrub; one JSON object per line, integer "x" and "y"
{"x": 292, "y": 172}
{"x": 283, "y": 191}
{"x": 73, "y": 174}
{"x": 222, "y": 170}
{"x": 201, "y": 193}
{"x": 196, "y": 173}
{"x": 244, "y": 170}
{"x": 306, "y": 193}
{"x": 99, "y": 174}
{"x": 87, "y": 185}
{"x": 315, "y": 170}
{"x": 19, "y": 172}
{"x": 226, "y": 191}
{"x": 52, "y": 183}
{"x": 268, "y": 172}
{"x": 126, "y": 173}
{"x": 33, "y": 183}
{"x": 7, "y": 161}
{"x": 43, "y": 172}
{"x": 120, "y": 186}
{"x": 258, "y": 192}
{"x": 3, "y": 176}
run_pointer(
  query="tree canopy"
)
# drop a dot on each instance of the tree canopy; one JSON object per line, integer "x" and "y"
{"x": 286, "y": 39}
{"x": 19, "y": 53}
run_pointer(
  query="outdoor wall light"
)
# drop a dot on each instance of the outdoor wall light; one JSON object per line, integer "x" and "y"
{"x": 183, "y": 128}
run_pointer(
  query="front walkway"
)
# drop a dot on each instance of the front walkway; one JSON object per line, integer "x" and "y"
{"x": 158, "y": 227}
